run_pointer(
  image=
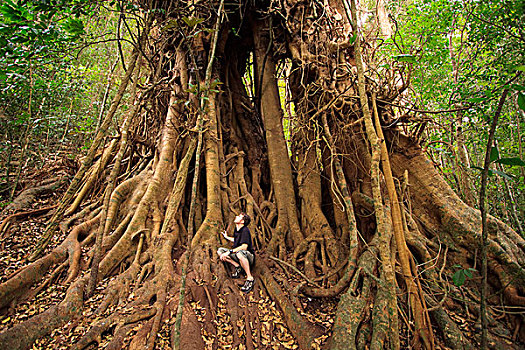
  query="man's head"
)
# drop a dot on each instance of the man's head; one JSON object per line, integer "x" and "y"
{"x": 242, "y": 218}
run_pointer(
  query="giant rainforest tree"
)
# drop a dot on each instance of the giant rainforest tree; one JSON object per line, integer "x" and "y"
{"x": 342, "y": 196}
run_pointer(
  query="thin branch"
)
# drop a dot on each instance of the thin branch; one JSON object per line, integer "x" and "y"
{"x": 296, "y": 270}
{"x": 484, "y": 231}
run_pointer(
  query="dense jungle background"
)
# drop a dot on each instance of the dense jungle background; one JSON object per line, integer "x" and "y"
{"x": 376, "y": 145}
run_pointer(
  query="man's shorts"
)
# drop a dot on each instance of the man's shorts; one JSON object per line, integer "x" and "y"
{"x": 235, "y": 256}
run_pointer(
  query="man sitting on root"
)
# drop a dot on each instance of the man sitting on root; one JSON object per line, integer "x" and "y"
{"x": 242, "y": 255}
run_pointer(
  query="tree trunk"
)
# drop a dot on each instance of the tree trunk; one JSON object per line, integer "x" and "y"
{"x": 272, "y": 114}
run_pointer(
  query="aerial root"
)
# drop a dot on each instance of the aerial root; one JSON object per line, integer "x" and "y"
{"x": 86, "y": 211}
{"x": 117, "y": 293}
{"x": 119, "y": 336}
{"x": 303, "y": 331}
{"x": 73, "y": 246}
{"x": 110, "y": 240}
{"x": 317, "y": 292}
{"x": 127, "y": 189}
{"x": 145, "y": 271}
{"x": 452, "y": 335}
{"x": 24, "y": 334}
{"x": 159, "y": 306}
{"x": 70, "y": 308}
{"x": 92, "y": 175}
{"x": 26, "y": 197}
{"x": 18, "y": 284}
{"x": 309, "y": 246}
{"x": 58, "y": 270}
{"x": 118, "y": 288}
{"x": 118, "y": 319}
{"x": 309, "y": 260}
{"x": 351, "y": 311}
{"x": 7, "y": 221}
{"x": 510, "y": 291}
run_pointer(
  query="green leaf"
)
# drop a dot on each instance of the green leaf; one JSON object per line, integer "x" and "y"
{"x": 521, "y": 68}
{"x": 215, "y": 83}
{"x": 405, "y": 58}
{"x": 505, "y": 175}
{"x": 521, "y": 100}
{"x": 74, "y": 26}
{"x": 192, "y": 21}
{"x": 511, "y": 161}
{"x": 170, "y": 25}
{"x": 477, "y": 99}
{"x": 459, "y": 278}
{"x": 494, "y": 154}
{"x": 10, "y": 12}
{"x": 490, "y": 173}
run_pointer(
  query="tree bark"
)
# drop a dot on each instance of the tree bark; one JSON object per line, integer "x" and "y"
{"x": 279, "y": 161}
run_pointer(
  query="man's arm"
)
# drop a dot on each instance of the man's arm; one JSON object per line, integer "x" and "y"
{"x": 225, "y": 235}
{"x": 243, "y": 246}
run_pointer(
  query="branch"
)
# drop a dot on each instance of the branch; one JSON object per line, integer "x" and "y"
{"x": 296, "y": 270}
{"x": 499, "y": 27}
{"x": 484, "y": 231}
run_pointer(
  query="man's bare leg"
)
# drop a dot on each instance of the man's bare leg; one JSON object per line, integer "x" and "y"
{"x": 245, "y": 264}
{"x": 233, "y": 262}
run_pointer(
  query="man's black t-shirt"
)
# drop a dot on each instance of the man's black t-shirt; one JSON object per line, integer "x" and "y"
{"x": 242, "y": 236}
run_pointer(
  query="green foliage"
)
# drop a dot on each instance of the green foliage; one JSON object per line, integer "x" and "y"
{"x": 510, "y": 161}
{"x": 35, "y": 37}
{"x": 405, "y": 58}
{"x": 521, "y": 100}
{"x": 39, "y": 29}
{"x": 461, "y": 275}
{"x": 52, "y": 76}
{"x": 482, "y": 38}
{"x": 464, "y": 54}
{"x": 192, "y": 21}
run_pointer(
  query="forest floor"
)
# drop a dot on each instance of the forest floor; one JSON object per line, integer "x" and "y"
{"x": 19, "y": 237}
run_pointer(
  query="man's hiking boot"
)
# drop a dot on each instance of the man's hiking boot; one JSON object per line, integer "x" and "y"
{"x": 237, "y": 272}
{"x": 248, "y": 286}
